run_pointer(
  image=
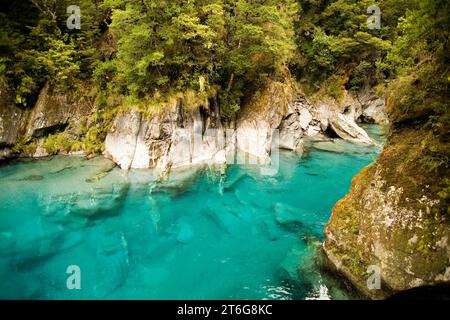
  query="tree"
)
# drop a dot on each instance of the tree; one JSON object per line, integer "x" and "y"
{"x": 185, "y": 44}
{"x": 39, "y": 47}
{"x": 333, "y": 39}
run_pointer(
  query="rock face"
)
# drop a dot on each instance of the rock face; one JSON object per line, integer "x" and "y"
{"x": 258, "y": 121}
{"x": 347, "y": 129}
{"x": 11, "y": 123}
{"x": 182, "y": 135}
{"x": 295, "y": 125}
{"x": 342, "y": 116}
{"x": 122, "y": 138}
{"x": 395, "y": 220}
{"x": 55, "y": 111}
{"x": 373, "y": 108}
{"x": 172, "y": 138}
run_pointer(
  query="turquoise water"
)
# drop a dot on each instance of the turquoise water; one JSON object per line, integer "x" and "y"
{"x": 197, "y": 236}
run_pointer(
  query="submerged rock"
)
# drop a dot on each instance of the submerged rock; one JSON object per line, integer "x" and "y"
{"x": 185, "y": 233}
{"x": 33, "y": 178}
{"x": 288, "y": 270}
{"x": 288, "y": 216}
{"x": 225, "y": 219}
{"x": 90, "y": 203}
{"x": 105, "y": 169}
{"x": 90, "y": 190}
{"x": 340, "y": 146}
{"x": 271, "y": 229}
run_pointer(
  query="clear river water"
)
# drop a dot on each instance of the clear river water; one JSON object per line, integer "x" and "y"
{"x": 196, "y": 236}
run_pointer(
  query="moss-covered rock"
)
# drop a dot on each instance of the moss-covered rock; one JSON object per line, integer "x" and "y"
{"x": 396, "y": 216}
{"x": 12, "y": 123}
{"x": 57, "y": 111}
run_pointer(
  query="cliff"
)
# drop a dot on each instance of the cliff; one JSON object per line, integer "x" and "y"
{"x": 396, "y": 217}
{"x": 57, "y": 124}
{"x": 184, "y": 134}
{"x": 187, "y": 130}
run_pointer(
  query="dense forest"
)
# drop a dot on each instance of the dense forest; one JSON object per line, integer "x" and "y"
{"x": 225, "y": 45}
{"x": 139, "y": 52}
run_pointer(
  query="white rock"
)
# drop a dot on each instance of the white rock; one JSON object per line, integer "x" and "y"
{"x": 374, "y": 111}
{"x": 347, "y": 129}
{"x": 305, "y": 118}
{"x": 254, "y": 140}
{"x": 141, "y": 159}
{"x": 120, "y": 143}
{"x": 313, "y": 131}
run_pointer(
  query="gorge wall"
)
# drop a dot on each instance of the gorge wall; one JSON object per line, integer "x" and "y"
{"x": 183, "y": 135}
{"x": 23, "y": 131}
{"x": 395, "y": 220}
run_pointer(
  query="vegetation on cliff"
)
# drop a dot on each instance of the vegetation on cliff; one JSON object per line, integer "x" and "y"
{"x": 145, "y": 49}
{"x": 397, "y": 216}
{"x": 36, "y": 46}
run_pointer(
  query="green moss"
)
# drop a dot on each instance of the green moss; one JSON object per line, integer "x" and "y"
{"x": 82, "y": 129}
{"x": 93, "y": 141}
{"x": 355, "y": 265}
{"x": 445, "y": 192}
{"x": 77, "y": 146}
{"x": 432, "y": 230}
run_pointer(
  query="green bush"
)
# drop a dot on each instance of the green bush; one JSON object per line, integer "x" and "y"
{"x": 55, "y": 144}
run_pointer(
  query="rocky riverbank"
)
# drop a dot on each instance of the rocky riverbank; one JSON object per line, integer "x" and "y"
{"x": 183, "y": 134}
{"x": 393, "y": 228}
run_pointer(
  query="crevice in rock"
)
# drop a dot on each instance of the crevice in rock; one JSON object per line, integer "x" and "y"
{"x": 330, "y": 133}
{"x": 365, "y": 120}
{"x": 204, "y": 116}
{"x": 180, "y": 114}
{"x": 4, "y": 145}
{"x": 43, "y": 132}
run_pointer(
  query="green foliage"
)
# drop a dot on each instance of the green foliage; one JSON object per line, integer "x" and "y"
{"x": 60, "y": 142}
{"x": 421, "y": 56}
{"x": 333, "y": 38}
{"x": 229, "y": 48}
{"x": 93, "y": 141}
{"x": 24, "y": 147}
{"x": 230, "y": 103}
{"x": 195, "y": 45}
{"x": 36, "y": 45}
